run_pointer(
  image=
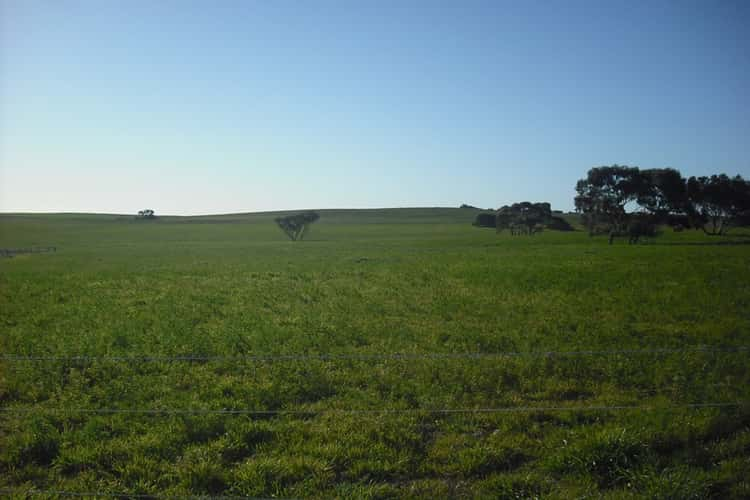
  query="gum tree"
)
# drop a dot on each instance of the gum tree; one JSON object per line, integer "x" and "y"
{"x": 603, "y": 194}
{"x": 296, "y": 226}
{"x": 719, "y": 200}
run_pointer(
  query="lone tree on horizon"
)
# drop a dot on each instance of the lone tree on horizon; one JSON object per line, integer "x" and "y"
{"x": 295, "y": 226}
{"x": 146, "y": 214}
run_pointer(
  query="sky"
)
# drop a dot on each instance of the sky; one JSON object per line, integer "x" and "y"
{"x": 223, "y": 107}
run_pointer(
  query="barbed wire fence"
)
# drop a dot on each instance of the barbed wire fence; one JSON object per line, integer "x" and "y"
{"x": 24, "y": 358}
{"x": 506, "y": 410}
{"x": 373, "y": 411}
{"x": 20, "y": 358}
{"x": 368, "y": 356}
{"x": 104, "y": 494}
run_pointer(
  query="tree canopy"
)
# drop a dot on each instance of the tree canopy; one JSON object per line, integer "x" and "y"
{"x": 296, "y": 226}
{"x": 711, "y": 203}
{"x": 719, "y": 200}
{"x": 524, "y": 217}
{"x": 603, "y": 194}
{"x": 146, "y": 214}
{"x": 662, "y": 191}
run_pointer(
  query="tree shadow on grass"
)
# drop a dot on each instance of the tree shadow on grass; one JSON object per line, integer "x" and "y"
{"x": 725, "y": 240}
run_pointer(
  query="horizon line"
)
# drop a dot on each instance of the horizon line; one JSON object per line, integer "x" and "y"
{"x": 259, "y": 212}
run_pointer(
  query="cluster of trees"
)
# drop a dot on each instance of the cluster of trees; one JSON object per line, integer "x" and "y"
{"x": 296, "y": 226}
{"x": 522, "y": 218}
{"x": 660, "y": 196}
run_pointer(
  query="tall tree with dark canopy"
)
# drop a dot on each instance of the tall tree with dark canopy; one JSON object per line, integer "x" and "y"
{"x": 663, "y": 191}
{"x": 296, "y": 226}
{"x": 711, "y": 203}
{"x": 720, "y": 200}
{"x": 603, "y": 194}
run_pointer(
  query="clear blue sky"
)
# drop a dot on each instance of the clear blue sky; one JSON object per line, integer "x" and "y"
{"x": 216, "y": 107}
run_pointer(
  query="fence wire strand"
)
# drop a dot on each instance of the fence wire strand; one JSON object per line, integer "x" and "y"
{"x": 368, "y": 411}
{"x": 367, "y": 357}
{"x": 66, "y": 493}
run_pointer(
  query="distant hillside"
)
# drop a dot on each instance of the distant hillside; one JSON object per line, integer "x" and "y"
{"x": 427, "y": 215}
{"x": 422, "y": 215}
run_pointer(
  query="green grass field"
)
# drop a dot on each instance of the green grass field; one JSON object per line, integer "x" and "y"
{"x": 371, "y": 282}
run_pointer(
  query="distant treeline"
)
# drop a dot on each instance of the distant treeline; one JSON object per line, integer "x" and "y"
{"x": 622, "y": 200}
{"x": 661, "y": 196}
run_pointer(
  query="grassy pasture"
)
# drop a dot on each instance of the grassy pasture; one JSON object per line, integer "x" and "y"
{"x": 371, "y": 282}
